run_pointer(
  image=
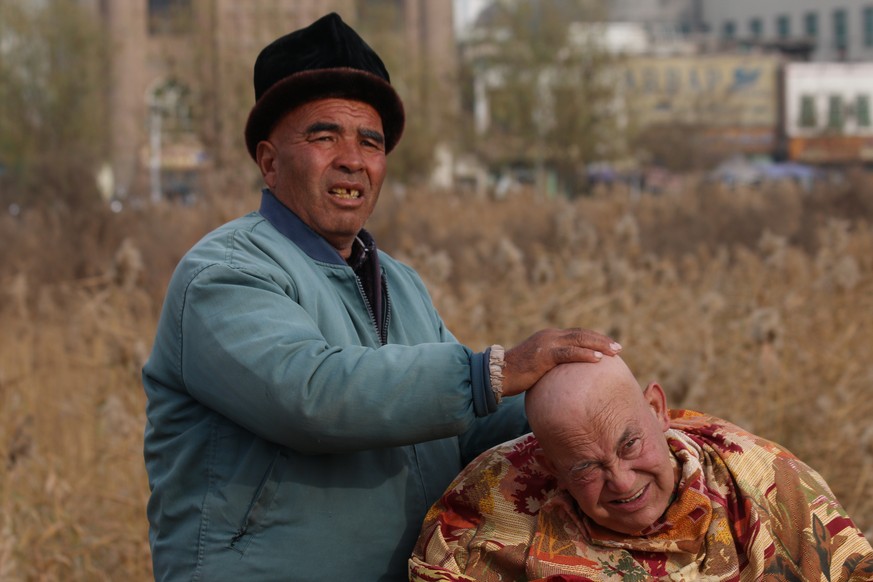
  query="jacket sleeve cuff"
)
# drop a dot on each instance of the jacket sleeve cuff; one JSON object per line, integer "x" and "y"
{"x": 484, "y": 400}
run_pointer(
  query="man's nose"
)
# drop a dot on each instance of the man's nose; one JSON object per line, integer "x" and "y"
{"x": 621, "y": 478}
{"x": 349, "y": 156}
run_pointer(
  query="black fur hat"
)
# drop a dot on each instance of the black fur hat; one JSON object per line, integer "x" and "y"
{"x": 325, "y": 59}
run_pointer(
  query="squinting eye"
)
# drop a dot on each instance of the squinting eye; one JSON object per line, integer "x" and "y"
{"x": 583, "y": 472}
{"x": 632, "y": 446}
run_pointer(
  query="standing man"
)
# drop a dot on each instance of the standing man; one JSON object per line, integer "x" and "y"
{"x": 306, "y": 404}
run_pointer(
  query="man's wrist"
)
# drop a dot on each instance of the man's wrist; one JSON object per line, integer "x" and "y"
{"x": 495, "y": 369}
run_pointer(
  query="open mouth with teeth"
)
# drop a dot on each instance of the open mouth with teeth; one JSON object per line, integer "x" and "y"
{"x": 345, "y": 193}
{"x": 632, "y": 498}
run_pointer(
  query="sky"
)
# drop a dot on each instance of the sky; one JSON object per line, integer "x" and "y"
{"x": 466, "y": 10}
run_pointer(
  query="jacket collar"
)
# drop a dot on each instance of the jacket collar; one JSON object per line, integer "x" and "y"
{"x": 310, "y": 242}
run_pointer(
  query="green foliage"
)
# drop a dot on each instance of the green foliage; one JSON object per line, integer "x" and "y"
{"x": 549, "y": 87}
{"x": 426, "y": 98}
{"x": 53, "y": 91}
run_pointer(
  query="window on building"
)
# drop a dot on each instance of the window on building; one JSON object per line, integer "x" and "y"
{"x": 650, "y": 80}
{"x": 630, "y": 79}
{"x": 836, "y": 117}
{"x": 862, "y": 110}
{"x": 756, "y": 28}
{"x": 172, "y": 102}
{"x": 868, "y": 26}
{"x": 729, "y": 30}
{"x": 672, "y": 80}
{"x": 807, "y": 112}
{"x": 841, "y": 31}
{"x": 713, "y": 78}
{"x": 810, "y": 24}
{"x": 170, "y": 17}
{"x": 694, "y": 79}
{"x": 783, "y": 26}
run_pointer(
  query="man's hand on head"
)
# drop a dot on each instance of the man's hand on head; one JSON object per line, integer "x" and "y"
{"x": 528, "y": 361}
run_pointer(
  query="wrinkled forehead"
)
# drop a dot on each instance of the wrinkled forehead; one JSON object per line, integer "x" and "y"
{"x": 595, "y": 421}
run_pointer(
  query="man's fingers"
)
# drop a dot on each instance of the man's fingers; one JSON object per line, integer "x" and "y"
{"x": 528, "y": 361}
{"x": 567, "y": 354}
{"x": 592, "y": 340}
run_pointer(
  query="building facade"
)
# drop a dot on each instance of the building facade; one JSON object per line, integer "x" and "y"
{"x": 827, "y": 112}
{"x": 816, "y": 30}
{"x": 732, "y": 98}
{"x": 833, "y": 30}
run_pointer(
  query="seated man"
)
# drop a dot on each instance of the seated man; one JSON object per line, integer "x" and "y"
{"x": 612, "y": 485}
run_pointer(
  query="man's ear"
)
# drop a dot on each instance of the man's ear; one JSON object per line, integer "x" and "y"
{"x": 657, "y": 400}
{"x": 266, "y": 156}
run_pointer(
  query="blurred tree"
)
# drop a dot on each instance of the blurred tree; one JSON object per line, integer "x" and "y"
{"x": 53, "y": 91}
{"x": 543, "y": 89}
{"x": 429, "y": 100}
{"x": 679, "y": 146}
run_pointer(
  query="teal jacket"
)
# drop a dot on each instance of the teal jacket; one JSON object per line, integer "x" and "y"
{"x": 286, "y": 440}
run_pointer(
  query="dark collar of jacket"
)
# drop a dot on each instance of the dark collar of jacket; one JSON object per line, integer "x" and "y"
{"x": 290, "y": 225}
{"x": 365, "y": 257}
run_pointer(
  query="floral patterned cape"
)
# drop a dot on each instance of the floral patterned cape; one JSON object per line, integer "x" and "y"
{"x": 746, "y": 509}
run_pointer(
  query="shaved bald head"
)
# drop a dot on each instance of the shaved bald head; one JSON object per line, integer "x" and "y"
{"x": 603, "y": 437}
{"x": 570, "y": 390}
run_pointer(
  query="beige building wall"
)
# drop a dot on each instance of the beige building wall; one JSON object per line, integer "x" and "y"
{"x": 718, "y": 89}
{"x": 734, "y": 99}
{"x": 435, "y": 29}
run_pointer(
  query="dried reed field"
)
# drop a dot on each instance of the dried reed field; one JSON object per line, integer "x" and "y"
{"x": 754, "y": 305}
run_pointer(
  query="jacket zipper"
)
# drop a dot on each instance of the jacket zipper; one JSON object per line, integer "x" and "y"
{"x": 238, "y": 536}
{"x": 383, "y": 336}
{"x": 387, "y": 318}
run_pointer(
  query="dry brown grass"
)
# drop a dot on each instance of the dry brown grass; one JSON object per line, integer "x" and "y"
{"x": 753, "y": 305}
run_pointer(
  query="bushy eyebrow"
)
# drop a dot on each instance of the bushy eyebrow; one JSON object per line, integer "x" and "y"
{"x": 320, "y": 126}
{"x": 374, "y": 135}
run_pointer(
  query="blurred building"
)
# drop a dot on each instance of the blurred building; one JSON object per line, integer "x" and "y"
{"x": 817, "y": 30}
{"x": 732, "y": 100}
{"x": 705, "y": 79}
{"x": 660, "y": 18}
{"x": 817, "y": 92}
{"x": 827, "y": 112}
{"x": 181, "y": 75}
